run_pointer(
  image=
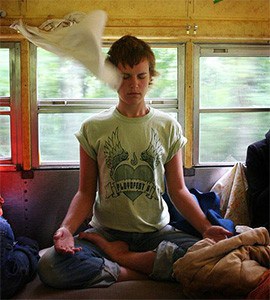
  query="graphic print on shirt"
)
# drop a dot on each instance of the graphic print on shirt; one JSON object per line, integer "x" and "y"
{"x": 131, "y": 175}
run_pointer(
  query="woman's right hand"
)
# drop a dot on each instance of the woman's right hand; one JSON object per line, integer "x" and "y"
{"x": 64, "y": 242}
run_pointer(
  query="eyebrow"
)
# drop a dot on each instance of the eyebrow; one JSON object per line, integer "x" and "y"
{"x": 142, "y": 73}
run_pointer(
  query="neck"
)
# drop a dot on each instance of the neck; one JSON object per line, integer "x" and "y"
{"x": 133, "y": 113}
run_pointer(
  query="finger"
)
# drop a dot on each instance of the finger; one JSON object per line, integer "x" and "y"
{"x": 57, "y": 235}
{"x": 77, "y": 249}
{"x": 226, "y": 234}
{"x": 64, "y": 250}
{"x": 72, "y": 250}
{"x": 222, "y": 237}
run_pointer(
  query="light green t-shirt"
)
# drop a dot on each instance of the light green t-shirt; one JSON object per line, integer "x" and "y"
{"x": 131, "y": 154}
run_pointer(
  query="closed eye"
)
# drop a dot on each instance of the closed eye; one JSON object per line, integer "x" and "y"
{"x": 142, "y": 75}
{"x": 139, "y": 76}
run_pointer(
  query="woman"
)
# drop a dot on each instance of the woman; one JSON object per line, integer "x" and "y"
{"x": 125, "y": 153}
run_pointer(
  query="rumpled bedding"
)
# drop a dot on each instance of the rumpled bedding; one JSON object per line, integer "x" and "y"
{"x": 78, "y": 37}
{"x": 231, "y": 267}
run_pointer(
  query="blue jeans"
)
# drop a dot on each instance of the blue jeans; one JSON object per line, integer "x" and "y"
{"x": 91, "y": 267}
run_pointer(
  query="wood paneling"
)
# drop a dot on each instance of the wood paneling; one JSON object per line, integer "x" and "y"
{"x": 26, "y": 131}
{"x": 230, "y": 10}
{"x": 153, "y": 19}
{"x": 116, "y": 9}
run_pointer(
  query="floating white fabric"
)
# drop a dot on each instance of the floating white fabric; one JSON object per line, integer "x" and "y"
{"x": 78, "y": 38}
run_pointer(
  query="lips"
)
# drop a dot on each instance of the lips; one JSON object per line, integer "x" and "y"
{"x": 134, "y": 94}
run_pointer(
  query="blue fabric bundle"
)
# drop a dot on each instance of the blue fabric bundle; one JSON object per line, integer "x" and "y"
{"x": 18, "y": 260}
{"x": 210, "y": 205}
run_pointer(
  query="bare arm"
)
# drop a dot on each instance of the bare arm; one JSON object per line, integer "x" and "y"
{"x": 80, "y": 207}
{"x": 185, "y": 203}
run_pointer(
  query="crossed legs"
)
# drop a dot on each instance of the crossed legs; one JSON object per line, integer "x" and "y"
{"x": 138, "y": 264}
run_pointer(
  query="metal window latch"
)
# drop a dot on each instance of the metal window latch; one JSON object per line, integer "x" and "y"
{"x": 2, "y": 14}
{"x": 188, "y": 27}
{"x": 195, "y": 28}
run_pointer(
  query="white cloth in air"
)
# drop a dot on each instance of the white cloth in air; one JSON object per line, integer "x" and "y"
{"x": 79, "y": 36}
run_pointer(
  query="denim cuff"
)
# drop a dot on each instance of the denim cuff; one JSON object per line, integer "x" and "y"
{"x": 108, "y": 275}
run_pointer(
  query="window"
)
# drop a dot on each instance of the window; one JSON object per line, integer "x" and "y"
{"x": 67, "y": 94}
{"x": 9, "y": 104}
{"x": 232, "y": 87}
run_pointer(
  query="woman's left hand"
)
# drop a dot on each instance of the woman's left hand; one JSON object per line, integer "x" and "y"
{"x": 217, "y": 233}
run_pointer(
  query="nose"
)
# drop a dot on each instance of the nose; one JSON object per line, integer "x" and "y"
{"x": 134, "y": 82}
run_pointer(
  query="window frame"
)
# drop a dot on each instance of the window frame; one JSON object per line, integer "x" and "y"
{"x": 72, "y": 105}
{"x": 14, "y": 103}
{"x": 220, "y": 50}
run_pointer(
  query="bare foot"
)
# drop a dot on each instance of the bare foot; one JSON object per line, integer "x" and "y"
{"x": 119, "y": 252}
{"x": 115, "y": 250}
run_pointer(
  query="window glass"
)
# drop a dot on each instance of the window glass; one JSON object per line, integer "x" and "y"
{"x": 234, "y": 81}
{"x": 232, "y": 86}
{"x": 165, "y": 85}
{"x": 57, "y": 139}
{"x": 5, "y": 127}
{"x": 3, "y": 108}
{"x": 5, "y": 143}
{"x": 4, "y": 73}
{"x": 224, "y": 137}
{"x": 62, "y": 78}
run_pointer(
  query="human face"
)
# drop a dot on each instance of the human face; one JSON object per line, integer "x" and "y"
{"x": 134, "y": 85}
